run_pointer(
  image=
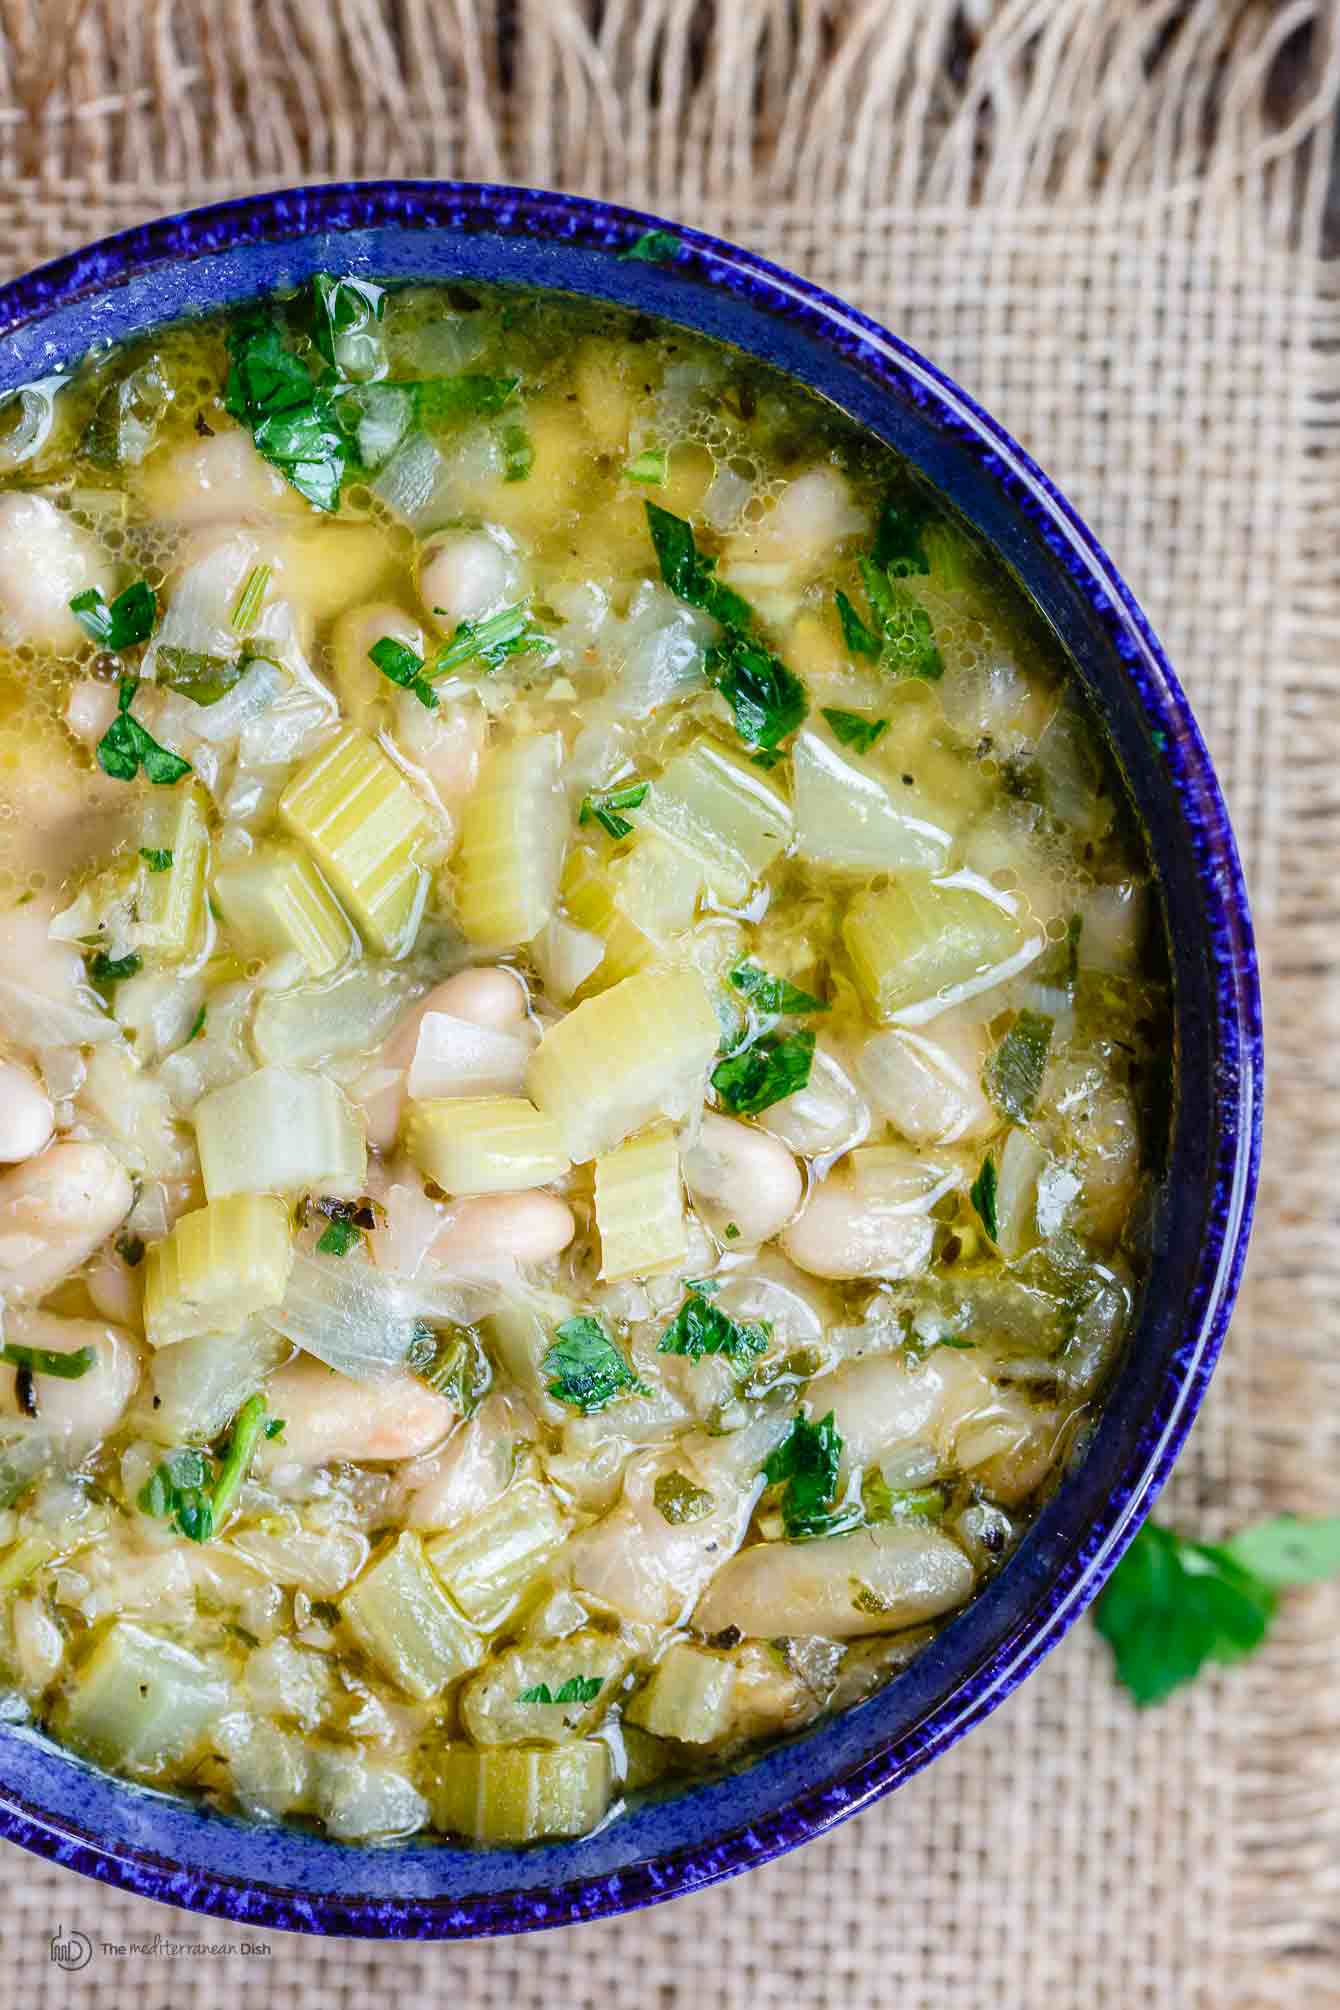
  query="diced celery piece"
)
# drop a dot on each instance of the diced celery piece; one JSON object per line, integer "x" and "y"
{"x": 484, "y": 1144}
{"x": 510, "y": 855}
{"x": 590, "y": 894}
{"x": 921, "y": 945}
{"x": 489, "y": 1561}
{"x": 723, "y": 812}
{"x": 513, "y": 1794}
{"x": 402, "y": 1618}
{"x": 847, "y": 816}
{"x": 658, "y": 883}
{"x": 141, "y": 1702}
{"x": 646, "y": 1759}
{"x": 276, "y": 902}
{"x": 219, "y": 1265}
{"x": 635, "y": 902}
{"x": 690, "y": 1696}
{"x": 364, "y": 825}
{"x": 280, "y": 1130}
{"x": 1022, "y": 1163}
{"x": 171, "y": 900}
{"x": 640, "y": 1206}
{"x": 639, "y": 1051}
{"x": 349, "y": 1015}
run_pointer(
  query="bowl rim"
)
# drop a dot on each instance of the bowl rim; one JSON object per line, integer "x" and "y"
{"x": 1232, "y": 1145}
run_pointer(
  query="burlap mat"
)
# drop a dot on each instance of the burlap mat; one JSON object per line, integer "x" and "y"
{"x": 1106, "y": 218}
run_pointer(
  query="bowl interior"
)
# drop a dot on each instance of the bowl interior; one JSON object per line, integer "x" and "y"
{"x": 287, "y": 1878}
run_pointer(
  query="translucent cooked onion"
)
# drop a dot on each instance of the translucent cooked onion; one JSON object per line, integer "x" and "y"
{"x": 33, "y": 1020}
{"x": 27, "y": 419}
{"x": 355, "y": 1318}
{"x": 454, "y": 1057}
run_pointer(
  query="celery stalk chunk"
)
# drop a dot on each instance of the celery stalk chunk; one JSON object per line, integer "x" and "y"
{"x": 640, "y": 1206}
{"x": 484, "y": 1144}
{"x": 639, "y": 1051}
{"x": 513, "y": 830}
{"x": 363, "y": 824}
{"x": 276, "y": 903}
{"x": 921, "y": 945}
{"x": 280, "y": 1130}
{"x": 724, "y": 813}
{"x": 513, "y": 1794}
{"x": 847, "y": 816}
{"x": 489, "y": 1561}
{"x": 219, "y": 1265}
{"x": 172, "y": 901}
{"x": 690, "y": 1697}
{"x": 404, "y": 1621}
{"x": 141, "y": 1702}
{"x": 636, "y": 902}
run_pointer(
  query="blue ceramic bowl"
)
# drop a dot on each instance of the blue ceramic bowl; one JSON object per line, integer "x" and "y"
{"x": 213, "y": 258}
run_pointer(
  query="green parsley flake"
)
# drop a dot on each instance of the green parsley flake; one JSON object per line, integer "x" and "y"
{"x": 518, "y": 453}
{"x": 700, "y": 1328}
{"x": 469, "y": 395}
{"x": 767, "y": 700}
{"x": 765, "y": 1073}
{"x": 157, "y": 861}
{"x": 490, "y": 641}
{"x": 106, "y": 969}
{"x": 898, "y": 549}
{"x": 126, "y": 747}
{"x": 604, "y": 809}
{"x": 339, "y": 1238}
{"x": 47, "y": 1361}
{"x": 129, "y": 619}
{"x": 196, "y": 1490}
{"x": 587, "y": 1368}
{"x": 577, "y": 1689}
{"x": 292, "y": 421}
{"x": 982, "y": 1193}
{"x": 194, "y": 674}
{"x": 773, "y": 994}
{"x": 807, "y": 1460}
{"x": 651, "y": 467}
{"x": 690, "y": 574}
{"x": 197, "y": 1025}
{"x": 404, "y": 667}
{"x": 678, "y": 1500}
{"x": 853, "y": 731}
{"x": 654, "y": 247}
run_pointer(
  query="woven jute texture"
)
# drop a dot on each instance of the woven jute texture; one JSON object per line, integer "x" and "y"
{"x": 1107, "y": 219}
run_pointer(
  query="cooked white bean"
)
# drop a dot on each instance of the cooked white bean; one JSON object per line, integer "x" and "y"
{"x": 486, "y": 997}
{"x": 494, "y": 1228}
{"x": 77, "y": 1412}
{"x": 647, "y": 1567}
{"x": 329, "y": 1416}
{"x": 929, "y": 1084}
{"x": 813, "y": 513}
{"x": 90, "y": 709}
{"x": 26, "y": 1115}
{"x": 217, "y": 480}
{"x": 54, "y": 1211}
{"x": 446, "y": 743}
{"x": 115, "y": 1288}
{"x": 874, "y": 1580}
{"x": 467, "y": 573}
{"x": 45, "y": 560}
{"x": 828, "y": 1115}
{"x": 358, "y": 681}
{"x": 737, "y": 1175}
{"x": 844, "y": 1233}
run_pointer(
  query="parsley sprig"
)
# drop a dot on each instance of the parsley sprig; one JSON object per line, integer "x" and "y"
{"x": 577, "y": 1689}
{"x": 774, "y": 1067}
{"x": 587, "y": 1370}
{"x": 700, "y": 1328}
{"x": 604, "y": 809}
{"x": 773, "y": 994}
{"x": 128, "y": 620}
{"x": 899, "y": 635}
{"x": 195, "y": 1489}
{"x": 127, "y": 746}
{"x": 807, "y": 1460}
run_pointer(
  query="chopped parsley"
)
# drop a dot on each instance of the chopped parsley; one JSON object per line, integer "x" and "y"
{"x": 807, "y": 1460}
{"x": 437, "y": 398}
{"x": 898, "y": 549}
{"x": 691, "y": 574}
{"x": 678, "y": 1500}
{"x": 982, "y": 1193}
{"x": 292, "y": 420}
{"x": 128, "y": 620}
{"x": 604, "y": 809}
{"x": 773, "y": 1068}
{"x": 195, "y": 1489}
{"x": 767, "y": 700}
{"x": 577, "y": 1689}
{"x": 1170, "y": 1606}
{"x": 773, "y": 994}
{"x": 46, "y": 1361}
{"x": 1289, "y": 1550}
{"x": 126, "y": 747}
{"x": 157, "y": 861}
{"x": 899, "y": 635}
{"x": 654, "y": 247}
{"x": 853, "y": 731}
{"x": 1014, "y": 1072}
{"x": 404, "y": 667}
{"x": 518, "y": 453}
{"x": 881, "y": 1502}
{"x": 104, "y": 969}
{"x": 198, "y": 675}
{"x": 587, "y": 1369}
{"x": 454, "y": 1362}
{"x": 700, "y": 1328}
{"x": 651, "y": 467}
{"x": 197, "y": 1025}
{"x": 339, "y": 1238}
{"x": 490, "y": 641}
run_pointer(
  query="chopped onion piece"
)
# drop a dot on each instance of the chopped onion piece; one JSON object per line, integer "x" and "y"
{"x": 454, "y": 1057}
{"x": 351, "y": 1315}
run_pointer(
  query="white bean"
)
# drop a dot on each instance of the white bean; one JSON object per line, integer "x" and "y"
{"x": 446, "y": 743}
{"x": 844, "y": 1233}
{"x": 739, "y": 1176}
{"x": 486, "y": 997}
{"x": 81, "y": 1411}
{"x": 813, "y": 513}
{"x": 874, "y": 1580}
{"x": 90, "y": 709}
{"x": 45, "y": 560}
{"x": 328, "y": 1416}
{"x": 54, "y": 1211}
{"x": 467, "y": 573}
{"x": 494, "y": 1228}
{"x": 359, "y": 684}
{"x": 929, "y": 1085}
{"x": 217, "y": 480}
{"x": 26, "y": 1115}
{"x": 828, "y": 1115}
{"x": 114, "y": 1287}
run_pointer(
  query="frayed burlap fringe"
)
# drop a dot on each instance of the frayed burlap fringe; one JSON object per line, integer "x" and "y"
{"x": 1106, "y": 217}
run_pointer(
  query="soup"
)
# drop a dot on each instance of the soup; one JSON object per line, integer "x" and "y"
{"x": 580, "y": 1030}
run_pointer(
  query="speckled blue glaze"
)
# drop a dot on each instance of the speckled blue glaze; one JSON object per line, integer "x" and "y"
{"x": 211, "y": 258}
